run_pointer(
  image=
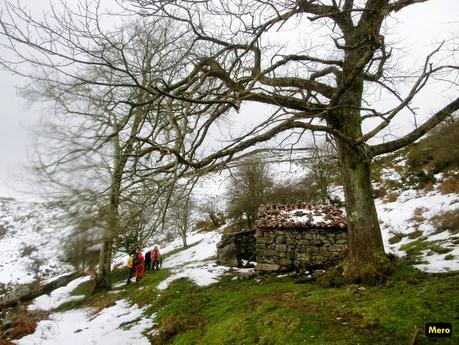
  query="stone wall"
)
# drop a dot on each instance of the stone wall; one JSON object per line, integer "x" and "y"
{"x": 236, "y": 246}
{"x": 299, "y": 249}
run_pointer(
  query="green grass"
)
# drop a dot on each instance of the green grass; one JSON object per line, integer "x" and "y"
{"x": 282, "y": 312}
{"x": 397, "y": 237}
{"x": 134, "y": 292}
{"x": 285, "y": 311}
{"x": 414, "y": 249}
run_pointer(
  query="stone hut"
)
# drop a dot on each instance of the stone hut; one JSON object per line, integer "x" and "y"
{"x": 299, "y": 237}
{"x": 236, "y": 246}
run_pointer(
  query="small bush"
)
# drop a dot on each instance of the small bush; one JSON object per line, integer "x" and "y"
{"x": 450, "y": 185}
{"x": 390, "y": 197}
{"x": 425, "y": 180}
{"x": 378, "y": 274}
{"x": 397, "y": 237}
{"x": 429, "y": 186}
{"x": 380, "y": 192}
{"x": 392, "y": 184}
{"x": 415, "y": 234}
{"x": 28, "y": 250}
{"x": 333, "y": 277}
{"x": 417, "y": 215}
{"x": 235, "y": 227}
{"x": 439, "y": 249}
{"x": 446, "y": 221}
{"x": 3, "y": 230}
{"x": 26, "y": 322}
{"x": 206, "y": 225}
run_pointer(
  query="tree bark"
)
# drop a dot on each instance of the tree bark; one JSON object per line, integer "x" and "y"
{"x": 366, "y": 248}
{"x": 120, "y": 158}
{"x": 103, "y": 277}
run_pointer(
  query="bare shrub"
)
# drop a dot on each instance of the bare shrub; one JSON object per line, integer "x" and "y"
{"x": 210, "y": 207}
{"x": 390, "y": 197}
{"x": 3, "y": 230}
{"x": 397, "y": 237}
{"x": 417, "y": 215}
{"x": 250, "y": 187}
{"x": 429, "y": 186}
{"x": 25, "y": 322}
{"x": 450, "y": 185}
{"x": 415, "y": 234}
{"x": 446, "y": 221}
{"x": 28, "y": 250}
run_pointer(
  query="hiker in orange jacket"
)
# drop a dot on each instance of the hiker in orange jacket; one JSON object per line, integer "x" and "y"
{"x": 155, "y": 258}
{"x": 139, "y": 265}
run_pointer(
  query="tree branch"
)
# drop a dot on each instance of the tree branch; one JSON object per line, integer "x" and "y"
{"x": 418, "y": 132}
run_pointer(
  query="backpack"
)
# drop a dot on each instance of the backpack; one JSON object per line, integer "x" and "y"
{"x": 136, "y": 259}
{"x": 130, "y": 262}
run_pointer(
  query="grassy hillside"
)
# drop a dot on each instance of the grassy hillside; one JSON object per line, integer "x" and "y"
{"x": 270, "y": 310}
{"x": 418, "y": 163}
{"x": 417, "y": 197}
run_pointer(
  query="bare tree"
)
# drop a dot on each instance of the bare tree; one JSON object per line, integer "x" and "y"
{"x": 249, "y": 187}
{"x": 211, "y": 208}
{"x": 81, "y": 246}
{"x": 180, "y": 214}
{"x": 99, "y": 85}
{"x": 323, "y": 171}
{"x": 138, "y": 217}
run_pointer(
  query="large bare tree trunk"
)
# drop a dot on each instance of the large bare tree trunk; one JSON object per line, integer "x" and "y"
{"x": 120, "y": 158}
{"x": 366, "y": 249}
{"x": 104, "y": 277}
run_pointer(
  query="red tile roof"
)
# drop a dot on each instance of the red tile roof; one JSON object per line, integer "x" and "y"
{"x": 304, "y": 216}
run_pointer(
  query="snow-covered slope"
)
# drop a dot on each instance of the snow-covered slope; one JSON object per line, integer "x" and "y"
{"x": 120, "y": 324}
{"x": 408, "y": 224}
{"x": 30, "y": 241}
{"x": 123, "y": 323}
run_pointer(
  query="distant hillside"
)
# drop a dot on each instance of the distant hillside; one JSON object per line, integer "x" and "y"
{"x": 31, "y": 241}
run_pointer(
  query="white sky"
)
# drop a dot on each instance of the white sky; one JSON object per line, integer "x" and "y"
{"x": 416, "y": 29}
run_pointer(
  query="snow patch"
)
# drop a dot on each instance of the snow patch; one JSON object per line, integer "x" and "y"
{"x": 201, "y": 273}
{"x": 438, "y": 264}
{"x": 399, "y": 217}
{"x": 193, "y": 263}
{"x": 30, "y": 241}
{"x": 120, "y": 324}
{"x": 58, "y": 296}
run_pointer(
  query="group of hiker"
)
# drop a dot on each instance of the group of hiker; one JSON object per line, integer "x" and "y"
{"x": 138, "y": 263}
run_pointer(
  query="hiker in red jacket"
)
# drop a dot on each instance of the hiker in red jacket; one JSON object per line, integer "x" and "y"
{"x": 138, "y": 265}
{"x": 155, "y": 258}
